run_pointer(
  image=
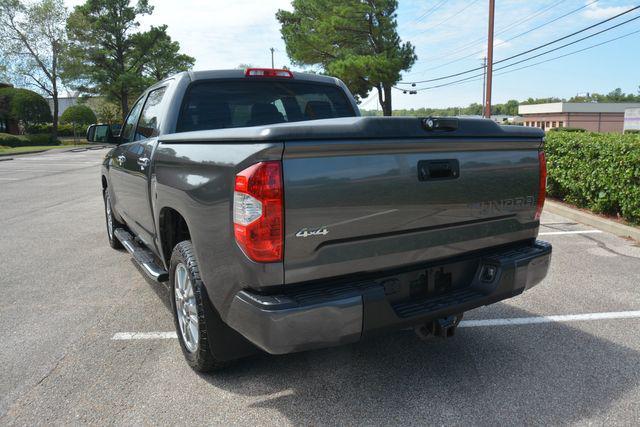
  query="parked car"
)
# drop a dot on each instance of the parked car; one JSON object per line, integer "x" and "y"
{"x": 284, "y": 221}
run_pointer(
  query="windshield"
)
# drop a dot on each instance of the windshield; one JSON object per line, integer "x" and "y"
{"x": 237, "y": 103}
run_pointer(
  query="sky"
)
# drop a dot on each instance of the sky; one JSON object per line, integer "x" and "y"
{"x": 449, "y": 37}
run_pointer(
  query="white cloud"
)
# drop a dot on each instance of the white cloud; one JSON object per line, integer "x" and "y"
{"x": 221, "y": 34}
{"x": 595, "y": 11}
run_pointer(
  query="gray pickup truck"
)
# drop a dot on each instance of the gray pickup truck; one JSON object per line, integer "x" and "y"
{"x": 283, "y": 221}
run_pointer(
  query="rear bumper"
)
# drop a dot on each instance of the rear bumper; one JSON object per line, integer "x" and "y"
{"x": 324, "y": 315}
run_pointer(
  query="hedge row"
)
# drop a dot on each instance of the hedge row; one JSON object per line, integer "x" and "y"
{"x": 63, "y": 129}
{"x": 600, "y": 172}
{"x": 7, "y": 140}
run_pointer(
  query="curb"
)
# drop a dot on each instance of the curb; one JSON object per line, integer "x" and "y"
{"x": 58, "y": 150}
{"x": 23, "y": 153}
{"x": 592, "y": 220}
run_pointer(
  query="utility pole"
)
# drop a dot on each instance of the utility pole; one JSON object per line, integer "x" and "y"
{"x": 272, "y": 50}
{"x": 487, "y": 107}
{"x": 484, "y": 81}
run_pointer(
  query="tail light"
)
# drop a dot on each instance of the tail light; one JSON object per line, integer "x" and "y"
{"x": 268, "y": 72}
{"x": 542, "y": 184}
{"x": 257, "y": 211}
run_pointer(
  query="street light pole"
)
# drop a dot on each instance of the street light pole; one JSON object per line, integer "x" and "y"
{"x": 487, "y": 107}
{"x": 272, "y": 63}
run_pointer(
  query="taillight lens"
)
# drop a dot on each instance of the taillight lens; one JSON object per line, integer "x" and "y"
{"x": 268, "y": 72}
{"x": 542, "y": 184}
{"x": 257, "y": 211}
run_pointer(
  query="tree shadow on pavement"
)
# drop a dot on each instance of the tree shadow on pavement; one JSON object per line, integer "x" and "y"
{"x": 533, "y": 374}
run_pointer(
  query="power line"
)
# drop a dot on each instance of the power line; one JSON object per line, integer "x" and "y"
{"x": 432, "y": 9}
{"x": 538, "y": 47}
{"x": 570, "y": 53}
{"x": 539, "y": 12}
{"x": 449, "y": 18}
{"x": 478, "y": 77}
{"x": 512, "y": 38}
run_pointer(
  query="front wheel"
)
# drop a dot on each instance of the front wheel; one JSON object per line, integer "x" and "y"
{"x": 190, "y": 310}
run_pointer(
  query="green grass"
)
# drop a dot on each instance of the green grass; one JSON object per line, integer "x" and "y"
{"x": 69, "y": 140}
{"x": 20, "y": 150}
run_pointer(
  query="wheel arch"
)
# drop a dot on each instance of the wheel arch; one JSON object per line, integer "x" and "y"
{"x": 172, "y": 229}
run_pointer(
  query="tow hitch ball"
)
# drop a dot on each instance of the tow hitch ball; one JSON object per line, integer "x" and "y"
{"x": 444, "y": 327}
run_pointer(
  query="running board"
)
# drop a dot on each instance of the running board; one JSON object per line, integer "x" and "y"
{"x": 142, "y": 256}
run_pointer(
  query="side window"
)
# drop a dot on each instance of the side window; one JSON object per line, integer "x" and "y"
{"x": 136, "y": 149}
{"x": 148, "y": 124}
{"x": 130, "y": 123}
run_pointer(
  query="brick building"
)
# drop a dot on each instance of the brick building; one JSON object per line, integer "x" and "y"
{"x": 591, "y": 116}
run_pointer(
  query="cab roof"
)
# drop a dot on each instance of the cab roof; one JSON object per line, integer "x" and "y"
{"x": 240, "y": 73}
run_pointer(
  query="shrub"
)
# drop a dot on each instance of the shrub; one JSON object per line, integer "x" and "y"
{"x": 631, "y": 131}
{"x": 600, "y": 172}
{"x": 27, "y": 140}
{"x": 567, "y": 130}
{"x": 63, "y": 129}
{"x": 78, "y": 115}
{"x": 41, "y": 139}
{"x": 26, "y": 106}
{"x": 8, "y": 140}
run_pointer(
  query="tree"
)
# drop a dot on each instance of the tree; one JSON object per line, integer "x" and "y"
{"x": 163, "y": 57}
{"x": 106, "y": 112}
{"x": 354, "y": 40}
{"x": 25, "y": 106}
{"x": 110, "y": 58}
{"x": 78, "y": 115}
{"x": 33, "y": 40}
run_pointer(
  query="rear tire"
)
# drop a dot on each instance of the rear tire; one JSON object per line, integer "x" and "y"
{"x": 111, "y": 221}
{"x": 191, "y": 308}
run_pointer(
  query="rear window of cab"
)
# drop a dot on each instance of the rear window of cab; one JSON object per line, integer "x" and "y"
{"x": 245, "y": 102}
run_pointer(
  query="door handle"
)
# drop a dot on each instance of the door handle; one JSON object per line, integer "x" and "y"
{"x": 430, "y": 170}
{"x": 121, "y": 158}
{"x": 143, "y": 162}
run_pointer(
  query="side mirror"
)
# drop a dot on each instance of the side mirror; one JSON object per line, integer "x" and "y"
{"x": 100, "y": 133}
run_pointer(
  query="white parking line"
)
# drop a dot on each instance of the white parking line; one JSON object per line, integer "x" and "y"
{"x": 552, "y": 233}
{"x": 549, "y": 319}
{"x": 514, "y": 321}
{"x": 144, "y": 336}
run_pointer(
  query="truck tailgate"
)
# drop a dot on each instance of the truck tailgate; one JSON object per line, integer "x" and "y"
{"x": 363, "y": 205}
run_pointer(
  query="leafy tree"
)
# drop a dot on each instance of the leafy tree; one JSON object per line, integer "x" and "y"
{"x": 511, "y": 107}
{"x": 616, "y": 95}
{"x": 354, "y": 40}
{"x": 530, "y": 101}
{"x": 33, "y": 39}
{"x": 163, "y": 57}
{"x": 25, "y": 106}
{"x": 106, "y": 112}
{"x": 78, "y": 116}
{"x": 112, "y": 59}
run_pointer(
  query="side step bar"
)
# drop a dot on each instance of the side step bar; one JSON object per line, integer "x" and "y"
{"x": 143, "y": 256}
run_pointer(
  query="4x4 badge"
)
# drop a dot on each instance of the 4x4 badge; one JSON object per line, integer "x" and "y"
{"x": 306, "y": 232}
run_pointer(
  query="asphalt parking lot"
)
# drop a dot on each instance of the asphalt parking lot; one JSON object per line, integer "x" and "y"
{"x": 66, "y": 295}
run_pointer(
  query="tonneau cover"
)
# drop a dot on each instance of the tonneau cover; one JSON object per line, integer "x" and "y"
{"x": 350, "y": 128}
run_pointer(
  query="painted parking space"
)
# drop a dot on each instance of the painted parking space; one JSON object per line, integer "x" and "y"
{"x": 88, "y": 340}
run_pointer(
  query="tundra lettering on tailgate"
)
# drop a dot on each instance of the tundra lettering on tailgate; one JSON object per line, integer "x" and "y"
{"x": 504, "y": 205}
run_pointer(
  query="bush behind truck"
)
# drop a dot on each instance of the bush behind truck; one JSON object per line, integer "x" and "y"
{"x": 597, "y": 171}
